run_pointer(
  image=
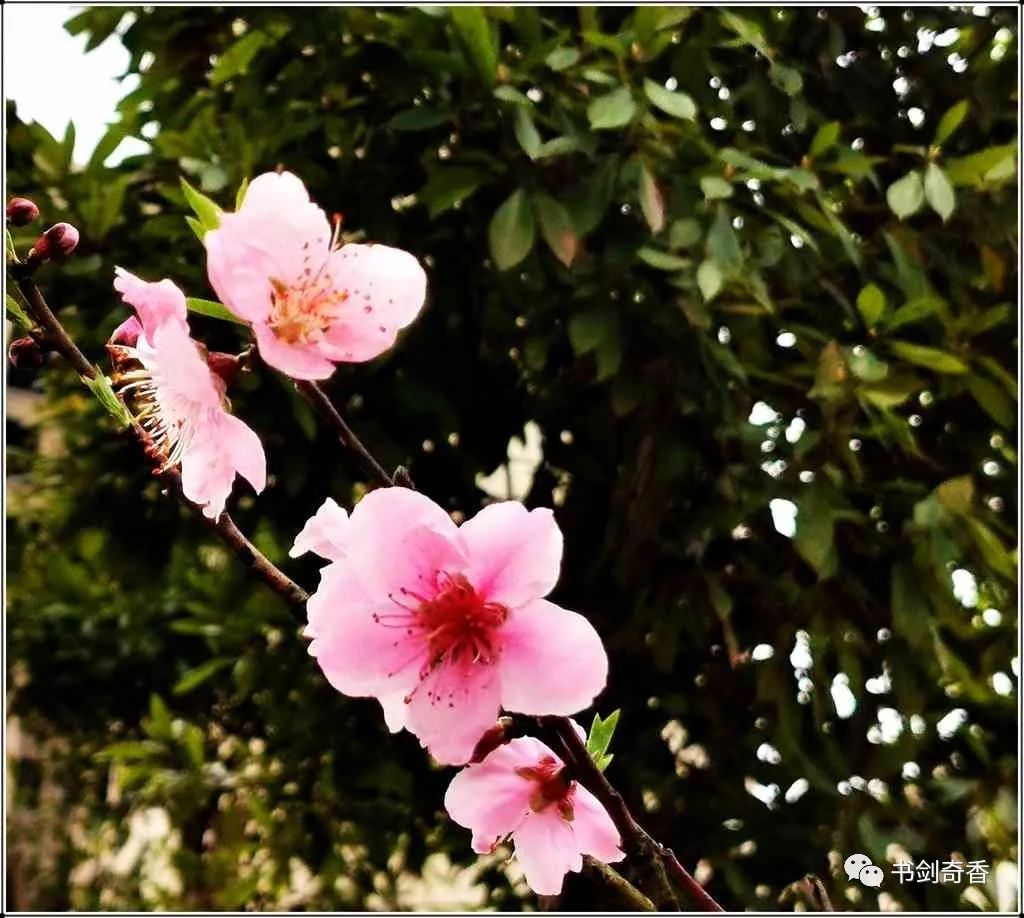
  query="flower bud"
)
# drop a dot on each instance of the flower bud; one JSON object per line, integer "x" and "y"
{"x": 492, "y": 739}
{"x": 21, "y": 211}
{"x": 26, "y": 354}
{"x": 58, "y": 241}
{"x": 226, "y": 366}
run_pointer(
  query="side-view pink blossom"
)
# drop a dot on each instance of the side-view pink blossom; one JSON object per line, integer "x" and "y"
{"x": 446, "y": 625}
{"x": 276, "y": 263}
{"x": 521, "y": 790}
{"x": 163, "y": 375}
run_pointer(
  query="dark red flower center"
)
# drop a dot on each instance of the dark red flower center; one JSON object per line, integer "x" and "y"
{"x": 552, "y": 787}
{"x": 459, "y": 625}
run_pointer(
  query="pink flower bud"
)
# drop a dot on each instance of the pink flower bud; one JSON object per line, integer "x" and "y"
{"x": 21, "y": 211}
{"x": 58, "y": 241}
{"x": 26, "y": 354}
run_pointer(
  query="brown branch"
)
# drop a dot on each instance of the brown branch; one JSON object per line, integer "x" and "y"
{"x": 628, "y": 895}
{"x": 57, "y": 338}
{"x": 634, "y": 837}
{"x": 316, "y": 396}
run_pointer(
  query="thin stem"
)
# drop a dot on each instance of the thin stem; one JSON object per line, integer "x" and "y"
{"x": 628, "y": 895}
{"x": 251, "y": 557}
{"x": 316, "y": 396}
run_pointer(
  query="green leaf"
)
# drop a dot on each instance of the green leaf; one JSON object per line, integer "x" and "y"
{"x": 993, "y": 399}
{"x": 479, "y": 41}
{"x": 510, "y": 94}
{"x": 237, "y": 58}
{"x": 906, "y": 195}
{"x": 206, "y": 211}
{"x": 871, "y": 303}
{"x": 651, "y": 201}
{"x": 990, "y": 166}
{"x": 825, "y": 139}
{"x": 956, "y": 495}
{"x": 709, "y": 279}
{"x": 866, "y": 366}
{"x": 676, "y": 104}
{"x": 419, "y": 118}
{"x": 939, "y": 191}
{"x": 104, "y": 392}
{"x": 613, "y": 110}
{"x": 589, "y": 201}
{"x": 16, "y": 313}
{"x": 920, "y": 307}
{"x": 814, "y": 540}
{"x": 684, "y": 233}
{"x": 929, "y": 357}
{"x": 663, "y": 261}
{"x": 950, "y": 121}
{"x": 600, "y": 737}
{"x": 200, "y": 674}
{"x": 715, "y": 187}
{"x": 724, "y": 244}
{"x": 562, "y": 58}
{"x": 159, "y": 723}
{"x": 512, "y": 231}
{"x": 240, "y": 194}
{"x": 787, "y": 79}
{"x": 556, "y": 228}
{"x": 213, "y": 309}
{"x": 448, "y": 185}
{"x": 526, "y": 133}
{"x": 911, "y": 616}
{"x": 590, "y": 328}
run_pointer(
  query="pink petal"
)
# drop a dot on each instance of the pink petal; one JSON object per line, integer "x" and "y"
{"x": 490, "y": 798}
{"x": 207, "y": 475}
{"x": 156, "y": 303}
{"x": 547, "y": 850}
{"x": 359, "y": 655}
{"x": 595, "y": 832}
{"x": 244, "y": 449}
{"x": 394, "y": 711}
{"x": 323, "y": 533}
{"x": 553, "y": 661}
{"x": 452, "y": 708}
{"x": 127, "y": 332}
{"x": 300, "y": 361}
{"x": 278, "y": 232}
{"x": 515, "y": 554}
{"x": 386, "y": 289}
{"x": 398, "y": 539}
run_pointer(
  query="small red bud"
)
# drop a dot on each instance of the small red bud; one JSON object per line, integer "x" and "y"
{"x": 58, "y": 241}
{"x": 26, "y": 354}
{"x": 21, "y": 211}
{"x": 491, "y": 740}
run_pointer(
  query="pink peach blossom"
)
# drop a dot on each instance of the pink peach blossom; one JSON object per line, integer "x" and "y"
{"x": 276, "y": 264}
{"x": 445, "y": 625}
{"x": 178, "y": 400}
{"x": 520, "y": 790}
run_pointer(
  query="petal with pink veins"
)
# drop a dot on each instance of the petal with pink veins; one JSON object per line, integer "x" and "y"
{"x": 515, "y": 554}
{"x": 360, "y": 650}
{"x": 324, "y": 533}
{"x": 595, "y": 832}
{"x": 489, "y": 798}
{"x": 300, "y": 361}
{"x": 546, "y": 850}
{"x": 552, "y": 662}
{"x": 452, "y": 707}
{"x": 385, "y": 288}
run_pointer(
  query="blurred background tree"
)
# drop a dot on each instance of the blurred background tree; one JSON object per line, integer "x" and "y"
{"x": 743, "y": 283}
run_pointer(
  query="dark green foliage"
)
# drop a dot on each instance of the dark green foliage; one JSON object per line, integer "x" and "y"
{"x": 610, "y": 261}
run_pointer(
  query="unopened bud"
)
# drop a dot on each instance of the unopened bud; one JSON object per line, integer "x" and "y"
{"x": 58, "y": 241}
{"x": 21, "y": 211}
{"x": 491, "y": 740}
{"x": 26, "y": 354}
